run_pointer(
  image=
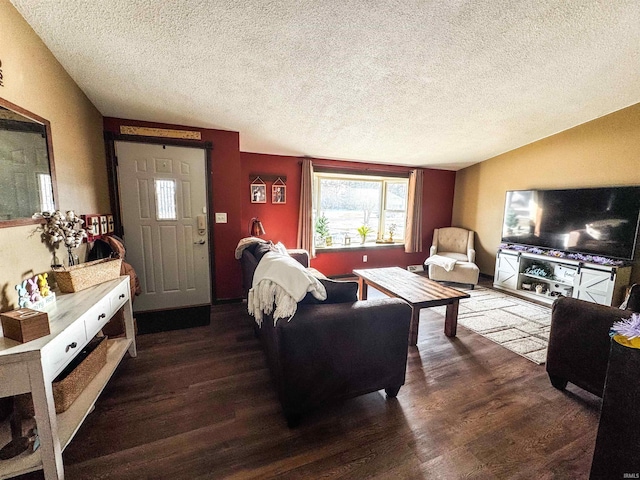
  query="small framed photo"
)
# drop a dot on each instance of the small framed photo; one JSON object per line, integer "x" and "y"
{"x": 258, "y": 193}
{"x": 278, "y": 194}
{"x": 92, "y": 226}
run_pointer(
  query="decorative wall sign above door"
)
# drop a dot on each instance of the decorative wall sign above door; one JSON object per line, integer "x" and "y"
{"x": 160, "y": 132}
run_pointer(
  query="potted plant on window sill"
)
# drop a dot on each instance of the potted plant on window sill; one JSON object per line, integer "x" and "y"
{"x": 322, "y": 229}
{"x": 363, "y": 231}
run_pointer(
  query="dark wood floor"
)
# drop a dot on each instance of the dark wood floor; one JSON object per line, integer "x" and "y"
{"x": 198, "y": 404}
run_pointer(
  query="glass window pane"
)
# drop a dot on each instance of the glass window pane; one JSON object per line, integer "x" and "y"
{"x": 348, "y": 204}
{"x": 396, "y": 196}
{"x": 394, "y": 218}
{"x": 166, "y": 200}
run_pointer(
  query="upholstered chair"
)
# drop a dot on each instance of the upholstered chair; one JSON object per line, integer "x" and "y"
{"x": 452, "y": 256}
{"x": 579, "y": 342}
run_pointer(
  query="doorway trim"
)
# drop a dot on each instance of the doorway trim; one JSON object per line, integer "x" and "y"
{"x": 111, "y": 138}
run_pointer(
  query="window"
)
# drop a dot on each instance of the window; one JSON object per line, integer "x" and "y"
{"x": 345, "y": 203}
{"x": 166, "y": 200}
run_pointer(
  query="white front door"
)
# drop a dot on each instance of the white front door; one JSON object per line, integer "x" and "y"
{"x": 164, "y": 203}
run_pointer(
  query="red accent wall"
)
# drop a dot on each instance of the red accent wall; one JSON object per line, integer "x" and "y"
{"x": 230, "y": 185}
{"x": 226, "y": 184}
{"x": 281, "y": 221}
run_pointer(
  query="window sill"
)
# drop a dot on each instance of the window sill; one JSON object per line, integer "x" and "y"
{"x": 357, "y": 246}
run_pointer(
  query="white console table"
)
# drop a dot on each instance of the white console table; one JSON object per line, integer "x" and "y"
{"x": 74, "y": 320}
{"x": 586, "y": 281}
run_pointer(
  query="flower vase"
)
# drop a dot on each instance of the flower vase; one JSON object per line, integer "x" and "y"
{"x": 72, "y": 258}
{"x": 55, "y": 262}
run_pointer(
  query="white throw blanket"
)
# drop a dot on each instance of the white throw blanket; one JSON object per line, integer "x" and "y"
{"x": 441, "y": 261}
{"x": 281, "y": 281}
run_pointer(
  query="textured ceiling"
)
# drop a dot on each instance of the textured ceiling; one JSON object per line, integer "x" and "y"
{"x": 440, "y": 83}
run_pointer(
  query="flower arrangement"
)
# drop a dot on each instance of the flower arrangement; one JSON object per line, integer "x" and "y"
{"x": 63, "y": 228}
{"x": 627, "y": 331}
{"x": 392, "y": 230}
{"x": 363, "y": 230}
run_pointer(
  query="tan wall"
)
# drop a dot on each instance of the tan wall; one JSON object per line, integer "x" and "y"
{"x": 34, "y": 80}
{"x": 603, "y": 152}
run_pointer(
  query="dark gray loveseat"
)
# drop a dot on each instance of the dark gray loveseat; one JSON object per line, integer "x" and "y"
{"x": 335, "y": 349}
{"x": 579, "y": 341}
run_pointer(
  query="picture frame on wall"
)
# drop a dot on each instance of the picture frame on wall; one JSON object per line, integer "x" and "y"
{"x": 104, "y": 225}
{"x": 92, "y": 226}
{"x": 258, "y": 193}
{"x": 278, "y": 194}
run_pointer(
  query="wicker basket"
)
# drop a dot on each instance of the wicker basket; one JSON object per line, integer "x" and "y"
{"x": 85, "y": 275}
{"x": 79, "y": 373}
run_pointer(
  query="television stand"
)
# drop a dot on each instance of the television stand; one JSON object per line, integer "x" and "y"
{"x": 543, "y": 278}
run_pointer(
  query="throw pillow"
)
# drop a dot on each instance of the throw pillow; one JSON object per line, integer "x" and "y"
{"x": 337, "y": 292}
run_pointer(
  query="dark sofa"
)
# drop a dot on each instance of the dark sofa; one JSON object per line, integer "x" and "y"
{"x": 579, "y": 341}
{"x": 335, "y": 349}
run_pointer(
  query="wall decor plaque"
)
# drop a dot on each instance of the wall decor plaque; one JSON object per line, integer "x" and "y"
{"x": 160, "y": 132}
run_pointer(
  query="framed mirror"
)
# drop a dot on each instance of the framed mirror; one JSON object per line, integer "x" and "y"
{"x": 27, "y": 171}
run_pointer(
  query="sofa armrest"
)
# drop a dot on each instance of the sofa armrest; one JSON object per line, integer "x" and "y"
{"x": 433, "y": 250}
{"x": 301, "y": 255}
{"x": 341, "y": 350}
{"x": 579, "y": 342}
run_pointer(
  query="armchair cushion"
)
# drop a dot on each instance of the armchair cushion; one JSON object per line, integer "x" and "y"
{"x": 461, "y": 257}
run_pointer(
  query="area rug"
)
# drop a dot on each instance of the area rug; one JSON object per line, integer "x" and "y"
{"x": 518, "y": 325}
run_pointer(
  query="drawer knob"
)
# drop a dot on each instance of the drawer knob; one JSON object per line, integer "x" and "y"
{"x": 70, "y": 346}
{"x": 101, "y": 316}
{"x": 121, "y": 295}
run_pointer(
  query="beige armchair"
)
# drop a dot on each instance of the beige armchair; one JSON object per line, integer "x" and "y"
{"x": 452, "y": 256}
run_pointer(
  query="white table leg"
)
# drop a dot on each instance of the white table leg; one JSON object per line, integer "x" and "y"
{"x": 46, "y": 420}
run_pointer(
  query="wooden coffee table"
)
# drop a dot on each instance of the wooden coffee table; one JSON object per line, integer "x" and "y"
{"x": 418, "y": 291}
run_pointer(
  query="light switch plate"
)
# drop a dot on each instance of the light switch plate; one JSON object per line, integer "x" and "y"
{"x": 221, "y": 217}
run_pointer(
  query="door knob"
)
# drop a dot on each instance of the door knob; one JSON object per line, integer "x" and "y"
{"x": 199, "y": 242}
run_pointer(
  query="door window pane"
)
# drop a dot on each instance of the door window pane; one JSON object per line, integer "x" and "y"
{"x": 166, "y": 200}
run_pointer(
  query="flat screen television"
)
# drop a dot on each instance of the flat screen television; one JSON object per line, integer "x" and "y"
{"x": 593, "y": 221}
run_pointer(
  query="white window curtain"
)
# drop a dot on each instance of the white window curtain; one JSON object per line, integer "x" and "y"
{"x": 413, "y": 227}
{"x": 305, "y": 217}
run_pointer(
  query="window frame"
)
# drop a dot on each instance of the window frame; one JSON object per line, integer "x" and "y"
{"x": 384, "y": 180}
